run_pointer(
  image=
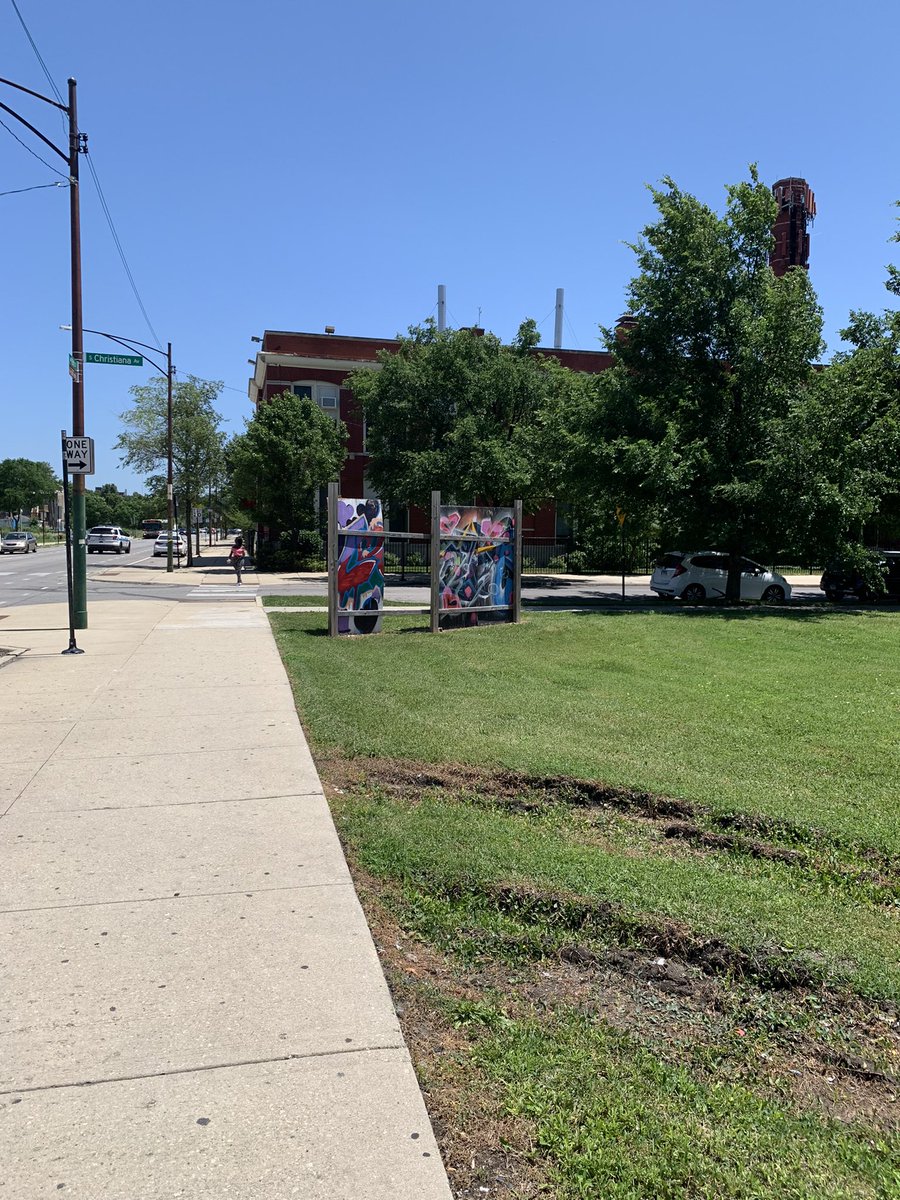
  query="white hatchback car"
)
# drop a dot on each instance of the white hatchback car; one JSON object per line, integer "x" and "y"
{"x": 702, "y": 575}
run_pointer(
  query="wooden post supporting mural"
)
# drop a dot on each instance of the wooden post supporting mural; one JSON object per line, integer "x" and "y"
{"x": 435, "y": 562}
{"x": 517, "y": 563}
{"x": 332, "y": 559}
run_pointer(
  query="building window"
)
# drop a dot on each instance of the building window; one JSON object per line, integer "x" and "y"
{"x": 324, "y": 394}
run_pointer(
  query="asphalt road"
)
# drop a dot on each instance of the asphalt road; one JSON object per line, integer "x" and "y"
{"x": 41, "y": 578}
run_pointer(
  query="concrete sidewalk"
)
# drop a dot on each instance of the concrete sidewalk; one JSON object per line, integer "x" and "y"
{"x": 192, "y": 1002}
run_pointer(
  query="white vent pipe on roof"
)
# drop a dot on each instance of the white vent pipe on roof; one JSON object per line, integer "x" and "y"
{"x": 557, "y": 332}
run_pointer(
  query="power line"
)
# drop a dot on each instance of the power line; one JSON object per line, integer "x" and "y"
{"x": 118, "y": 244}
{"x": 103, "y": 204}
{"x": 13, "y": 134}
{"x": 35, "y": 188}
{"x": 38, "y": 54}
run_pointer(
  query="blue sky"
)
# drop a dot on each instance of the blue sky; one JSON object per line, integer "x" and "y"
{"x": 291, "y": 165}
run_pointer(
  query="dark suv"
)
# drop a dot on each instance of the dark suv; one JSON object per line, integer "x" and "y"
{"x": 839, "y": 580}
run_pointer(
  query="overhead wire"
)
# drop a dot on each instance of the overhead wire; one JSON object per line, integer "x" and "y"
{"x": 94, "y": 176}
{"x": 12, "y": 133}
{"x": 37, "y": 54}
{"x": 118, "y": 244}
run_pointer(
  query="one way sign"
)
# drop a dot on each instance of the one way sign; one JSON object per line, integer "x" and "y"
{"x": 78, "y": 454}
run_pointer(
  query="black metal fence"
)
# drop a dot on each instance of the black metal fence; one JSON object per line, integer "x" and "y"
{"x": 540, "y": 556}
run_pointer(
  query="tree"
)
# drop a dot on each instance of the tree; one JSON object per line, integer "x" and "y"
{"x": 458, "y": 411}
{"x": 106, "y": 505}
{"x": 720, "y": 354}
{"x": 841, "y": 451}
{"x": 97, "y": 509}
{"x": 25, "y": 484}
{"x": 289, "y": 449}
{"x": 197, "y": 441}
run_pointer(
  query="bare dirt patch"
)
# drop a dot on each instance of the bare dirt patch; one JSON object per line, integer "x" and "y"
{"x": 693, "y": 825}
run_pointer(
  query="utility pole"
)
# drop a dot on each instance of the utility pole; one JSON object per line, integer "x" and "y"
{"x": 77, "y": 145}
{"x": 79, "y": 550}
{"x": 170, "y": 500}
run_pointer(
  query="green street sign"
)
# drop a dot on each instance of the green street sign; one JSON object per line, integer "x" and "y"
{"x": 115, "y": 360}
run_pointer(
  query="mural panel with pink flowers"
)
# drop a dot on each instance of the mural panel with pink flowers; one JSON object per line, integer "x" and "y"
{"x": 477, "y": 548}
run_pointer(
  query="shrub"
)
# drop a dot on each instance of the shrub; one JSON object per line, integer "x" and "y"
{"x": 303, "y": 553}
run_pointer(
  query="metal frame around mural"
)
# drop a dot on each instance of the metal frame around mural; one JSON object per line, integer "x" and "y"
{"x": 435, "y": 539}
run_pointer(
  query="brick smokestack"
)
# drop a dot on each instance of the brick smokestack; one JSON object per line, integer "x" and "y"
{"x": 796, "y": 212}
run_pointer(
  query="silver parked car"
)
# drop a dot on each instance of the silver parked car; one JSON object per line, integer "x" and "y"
{"x": 107, "y": 537}
{"x": 702, "y": 575}
{"x": 13, "y": 541}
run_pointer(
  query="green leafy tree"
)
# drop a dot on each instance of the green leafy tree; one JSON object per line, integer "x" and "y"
{"x": 106, "y": 505}
{"x": 289, "y": 449}
{"x": 97, "y": 509}
{"x": 720, "y": 354}
{"x": 840, "y": 456}
{"x": 461, "y": 412}
{"x": 197, "y": 441}
{"x": 24, "y": 485}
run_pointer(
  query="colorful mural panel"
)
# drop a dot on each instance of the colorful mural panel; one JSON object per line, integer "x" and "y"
{"x": 476, "y": 562}
{"x": 360, "y": 575}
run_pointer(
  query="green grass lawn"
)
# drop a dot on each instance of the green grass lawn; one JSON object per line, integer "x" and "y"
{"x": 636, "y": 992}
{"x": 796, "y": 718}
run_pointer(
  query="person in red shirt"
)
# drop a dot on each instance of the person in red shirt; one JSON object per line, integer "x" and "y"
{"x": 237, "y": 557}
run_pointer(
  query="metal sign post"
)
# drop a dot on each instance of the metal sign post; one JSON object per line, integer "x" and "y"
{"x": 332, "y": 551}
{"x": 621, "y": 516}
{"x": 73, "y": 646}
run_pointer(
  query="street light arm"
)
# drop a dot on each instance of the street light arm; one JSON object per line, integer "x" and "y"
{"x": 37, "y": 95}
{"x": 37, "y": 133}
{"x": 131, "y": 341}
{"x": 128, "y": 343}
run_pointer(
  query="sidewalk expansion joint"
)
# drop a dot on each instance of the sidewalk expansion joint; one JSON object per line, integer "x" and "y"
{"x": 257, "y": 891}
{"x": 138, "y": 754}
{"x": 225, "y": 1066}
{"x": 188, "y": 803}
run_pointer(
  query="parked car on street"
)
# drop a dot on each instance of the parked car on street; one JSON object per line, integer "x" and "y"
{"x": 13, "y": 541}
{"x": 107, "y": 537}
{"x": 702, "y": 575}
{"x": 840, "y": 580}
{"x": 161, "y": 545}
